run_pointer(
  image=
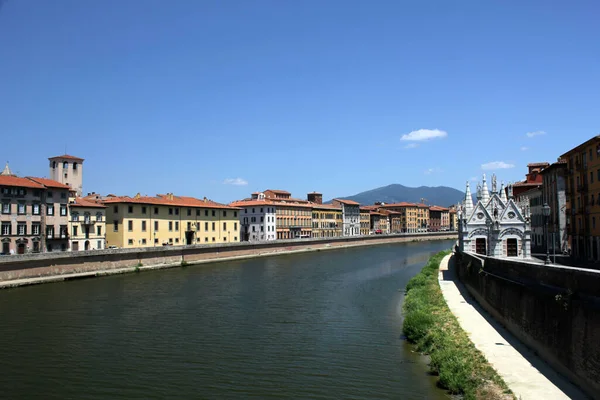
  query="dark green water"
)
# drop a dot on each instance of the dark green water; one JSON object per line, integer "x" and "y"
{"x": 321, "y": 325}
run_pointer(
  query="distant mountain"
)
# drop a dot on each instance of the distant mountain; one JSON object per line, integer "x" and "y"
{"x": 395, "y": 193}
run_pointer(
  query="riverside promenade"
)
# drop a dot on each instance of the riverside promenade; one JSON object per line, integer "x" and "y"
{"x": 525, "y": 374}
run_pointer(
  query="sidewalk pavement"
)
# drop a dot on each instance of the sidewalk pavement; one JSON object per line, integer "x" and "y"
{"x": 525, "y": 373}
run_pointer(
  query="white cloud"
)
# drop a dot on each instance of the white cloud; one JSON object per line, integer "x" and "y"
{"x": 497, "y": 165}
{"x": 411, "y": 145}
{"x": 535, "y": 133}
{"x": 524, "y": 148}
{"x": 424, "y": 134}
{"x": 235, "y": 181}
{"x": 430, "y": 171}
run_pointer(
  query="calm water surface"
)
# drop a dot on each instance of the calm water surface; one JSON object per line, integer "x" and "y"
{"x": 321, "y": 325}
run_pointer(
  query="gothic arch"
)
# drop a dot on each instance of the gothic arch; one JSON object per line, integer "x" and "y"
{"x": 478, "y": 232}
{"x": 512, "y": 231}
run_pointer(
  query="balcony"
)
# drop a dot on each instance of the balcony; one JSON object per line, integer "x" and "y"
{"x": 87, "y": 221}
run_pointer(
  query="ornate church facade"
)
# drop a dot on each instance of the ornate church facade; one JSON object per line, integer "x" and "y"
{"x": 496, "y": 225}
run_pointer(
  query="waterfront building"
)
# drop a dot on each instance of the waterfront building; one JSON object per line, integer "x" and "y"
{"x": 326, "y": 218}
{"x": 533, "y": 178}
{"x": 395, "y": 219}
{"x": 350, "y": 216}
{"x": 554, "y": 185}
{"x": 257, "y": 218}
{"x": 422, "y": 217}
{"x": 68, "y": 170}
{"x": 379, "y": 221}
{"x": 496, "y": 225}
{"x": 87, "y": 225}
{"x": 453, "y": 218}
{"x": 535, "y": 199}
{"x": 365, "y": 221}
{"x": 55, "y": 221}
{"x": 439, "y": 219}
{"x": 408, "y": 215}
{"x": 583, "y": 196}
{"x": 169, "y": 220}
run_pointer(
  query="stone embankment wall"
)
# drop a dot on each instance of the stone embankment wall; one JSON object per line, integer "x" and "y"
{"x": 555, "y": 310}
{"x": 62, "y": 263}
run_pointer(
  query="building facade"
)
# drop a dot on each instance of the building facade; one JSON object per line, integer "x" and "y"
{"x": 534, "y": 197}
{"x": 257, "y": 219}
{"x": 350, "y": 216}
{"x": 55, "y": 223}
{"x": 327, "y": 221}
{"x": 554, "y": 187}
{"x": 496, "y": 225}
{"x": 87, "y": 225}
{"x": 365, "y": 221}
{"x": 168, "y": 220}
{"x": 379, "y": 222}
{"x": 583, "y": 197}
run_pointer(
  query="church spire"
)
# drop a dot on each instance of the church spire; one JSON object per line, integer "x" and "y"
{"x": 468, "y": 201}
{"x": 503, "y": 193}
{"x": 485, "y": 193}
{"x": 7, "y": 171}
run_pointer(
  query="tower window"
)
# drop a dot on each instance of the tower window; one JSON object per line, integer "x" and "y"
{"x": 65, "y": 165}
{"x": 74, "y": 166}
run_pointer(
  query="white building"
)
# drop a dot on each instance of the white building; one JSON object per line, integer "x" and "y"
{"x": 350, "y": 217}
{"x": 257, "y": 219}
{"x": 496, "y": 225}
{"x": 68, "y": 170}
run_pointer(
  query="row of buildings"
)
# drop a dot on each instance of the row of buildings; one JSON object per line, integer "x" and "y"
{"x": 52, "y": 214}
{"x": 555, "y": 209}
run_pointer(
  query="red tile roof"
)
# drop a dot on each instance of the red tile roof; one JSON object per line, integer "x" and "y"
{"x": 49, "y": 183}
{"x": 277, "y": 191}
{"x": 15, "y": 181}
{"x": 82, "y": 202}
{"x": 347, "y": 202}
{"x": 538, "y": 164}
{"x": 165, "y": 200}
{"x": 438, "y": 208}
{"x": 369, "y": 208}
{"x": 67, "y": 157}
{"x": 401, "y": 204}
{"x": 326, "y": 207}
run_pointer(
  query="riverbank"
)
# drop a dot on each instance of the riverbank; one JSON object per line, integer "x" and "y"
{"x": 433, "y": 329}
{"x": 73, "y": 266}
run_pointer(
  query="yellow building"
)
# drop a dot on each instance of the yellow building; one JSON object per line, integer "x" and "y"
{"x": 326, "y": 221}
{"x": 422, "y": 217}
{"x": 169, "y": 220}
{"x": 87, "y": 225}
{"x": 583, "y": 199}
{"x": 365, "y": 221}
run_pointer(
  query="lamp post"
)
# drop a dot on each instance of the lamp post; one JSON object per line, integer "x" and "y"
{"x": 546, "y": 213}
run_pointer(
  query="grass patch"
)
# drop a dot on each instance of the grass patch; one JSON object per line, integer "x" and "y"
{"x": 432, "y": 328}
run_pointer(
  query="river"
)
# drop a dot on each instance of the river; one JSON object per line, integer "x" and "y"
{"x": 324, "y": 325}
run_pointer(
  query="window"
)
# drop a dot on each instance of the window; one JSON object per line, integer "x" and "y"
{"x": 49, "y": 209}
{"x": 49, "y": 194}
{"x": 235, "y": 214}
{"x": 155, "y": 241}
{"x": 99, "y": 231}
{"x": 235, "y": 226}
{"x": 144, "y": 241}
{"x": 197, "y": 213}
{"x": 116, "y": 209}
{"x": 177, "y": 225}
{"x": 213, "y": 213}
{"x": 213, "y": 239}
{"x": 99, "y": 216}
{"x": 50, "y": 231}
{"x": 170, "y": 226}
{"x": 206, "y": 226}
{"x": 224, "y": 226}
{"x": 143, "y": 226}
{"x": 224, "y": 239}
{"x": 177, "y": 211}
{"x": 261, "y": 209}
{"x": 130, "y": 242}
{"x": 75, "y": 230}
{"x": 206, "y": 239}
{"x": 224, "y": 213}
{"x": 130, "y": 209}
{"x": 99, "y": 245}
{"x": 189, "y": 212}
{"x": 6, "y": 228}
{"x": 75, "y": 216}
{"x": 593, "y": 222}
{"x": 63, "y": 195}
{"x": 170, "y": 211}
{"x": 245, "y": 211}
{"x": 116, "y": 226}
{"x": 235, "y": 238}
{"x": 63, "y": 210}
{"x": 65, "y": 165}
{"x": 189, "y": 226}
{"x": 213, "y": 226}
{"x": 130, "y": 225}
{"x": 21, "y": 208}
{"x": 156, "y": 225}
{"x": 206, "y": 211}
{"x": 35, "y": 229}
{"x": 21, "y": 229}
{"x": 5, "y": 208}
{"x": 74, "y": 166}
{"x": 176, "y": 240}
{"x": 591, "y": 177}
{"x": 143, "y": 210}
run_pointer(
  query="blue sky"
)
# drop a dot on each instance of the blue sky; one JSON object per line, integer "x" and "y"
{"x": 223, "y": 98}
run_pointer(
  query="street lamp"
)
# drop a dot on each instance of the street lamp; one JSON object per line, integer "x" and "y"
{"x": 546, "y": 213}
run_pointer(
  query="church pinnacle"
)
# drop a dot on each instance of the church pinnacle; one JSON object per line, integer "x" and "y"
{"x": 7, "y": 171}
{"x": 485, "y": 193}
{"x": 468, "y": 201}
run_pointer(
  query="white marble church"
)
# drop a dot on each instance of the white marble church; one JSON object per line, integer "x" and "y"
{"x": 496, "y": 225}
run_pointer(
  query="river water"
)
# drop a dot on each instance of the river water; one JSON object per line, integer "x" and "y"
{"x": 323, "y": 325}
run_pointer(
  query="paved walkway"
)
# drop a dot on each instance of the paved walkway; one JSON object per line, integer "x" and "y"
{"x": 524, "y": 373}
